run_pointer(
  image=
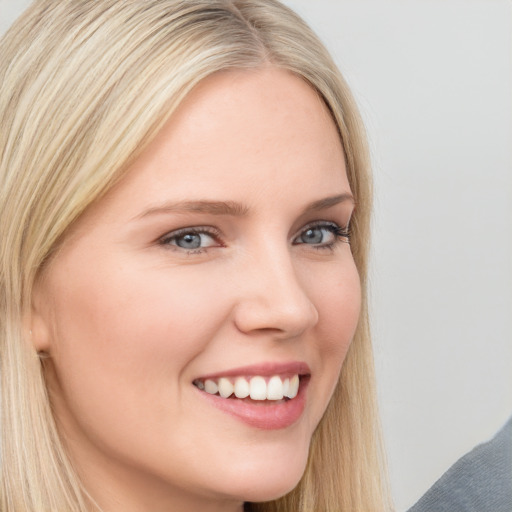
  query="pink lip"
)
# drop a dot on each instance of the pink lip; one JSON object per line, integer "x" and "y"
{"x": 263, "y": 369}
{"x": 263, "y": 415}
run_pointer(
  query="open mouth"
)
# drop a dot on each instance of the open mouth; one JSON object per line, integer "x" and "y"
{"x": 272, "y": 388}
{"x": 266, "y": 396}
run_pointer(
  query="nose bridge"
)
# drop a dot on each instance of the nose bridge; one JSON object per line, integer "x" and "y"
{"x": 273, "y": 298}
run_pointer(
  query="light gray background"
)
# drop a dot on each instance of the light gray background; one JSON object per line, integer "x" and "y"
{"x": 434, "y": 82}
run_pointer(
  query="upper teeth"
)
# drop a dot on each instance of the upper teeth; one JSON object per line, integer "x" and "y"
{"x": 258, "y": 388}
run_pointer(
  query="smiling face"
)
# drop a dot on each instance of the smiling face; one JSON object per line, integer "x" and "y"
{"x": 221, "y": 259}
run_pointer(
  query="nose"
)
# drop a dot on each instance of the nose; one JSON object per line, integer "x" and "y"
{"x": 271, "y": 297}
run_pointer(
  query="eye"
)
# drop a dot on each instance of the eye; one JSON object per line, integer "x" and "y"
{"x": 324, "y": 235}
{"x": 191, "y": 239}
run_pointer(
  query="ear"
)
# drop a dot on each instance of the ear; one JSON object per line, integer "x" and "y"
{"x": 39, "y": 322}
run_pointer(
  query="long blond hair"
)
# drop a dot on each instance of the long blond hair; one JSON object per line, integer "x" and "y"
{"x": 85, "y": 86}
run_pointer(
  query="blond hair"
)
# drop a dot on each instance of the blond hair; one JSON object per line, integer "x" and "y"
{"x": 85, "y": 86}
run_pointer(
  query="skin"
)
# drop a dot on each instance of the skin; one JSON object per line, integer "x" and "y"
{"x": 130, "y": 321}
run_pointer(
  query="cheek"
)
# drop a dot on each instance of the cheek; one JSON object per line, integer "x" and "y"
{"x": 126, "y": 351}
{"x": 338, "y": 302}
{"x": 130, "y": 311}
{"x": 131, "y": 337}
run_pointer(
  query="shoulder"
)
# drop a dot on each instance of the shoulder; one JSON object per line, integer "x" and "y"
{"x": 481, "y": 481}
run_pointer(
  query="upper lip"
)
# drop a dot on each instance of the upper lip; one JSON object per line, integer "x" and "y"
{"x": 266, "y": 369}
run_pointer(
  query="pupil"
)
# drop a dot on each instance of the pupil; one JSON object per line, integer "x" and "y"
{"x": 313, "y": 235}
{"x": 189, "y": 241}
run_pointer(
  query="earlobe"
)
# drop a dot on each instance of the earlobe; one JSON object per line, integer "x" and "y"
{"x": 39, "y": 326}
{"x": 39, "y": 336}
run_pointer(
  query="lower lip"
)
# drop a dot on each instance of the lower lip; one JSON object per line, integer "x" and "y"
{"x": 265, "y": 415}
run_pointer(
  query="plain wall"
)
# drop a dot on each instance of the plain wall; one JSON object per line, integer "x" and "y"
{"x": 434, "y": 82}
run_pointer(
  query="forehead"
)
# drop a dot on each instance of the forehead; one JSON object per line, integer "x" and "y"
{"x": 242, "y": 135}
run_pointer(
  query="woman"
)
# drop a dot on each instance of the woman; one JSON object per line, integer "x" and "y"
{"x": 179, "y": 182}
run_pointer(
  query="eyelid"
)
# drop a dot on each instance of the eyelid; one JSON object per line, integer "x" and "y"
{"x": 341, "y": 234}
{"x": 200, "y": 230}
{"x": 339, "y": 231}
{"x": 322, "y": 224}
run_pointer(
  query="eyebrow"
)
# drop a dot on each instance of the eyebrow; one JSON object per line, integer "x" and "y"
{"x": 323, "y": 204}
{"x": 233, "y": 208}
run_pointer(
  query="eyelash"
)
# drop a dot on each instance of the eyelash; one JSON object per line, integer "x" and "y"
{"x": 203, "y": 230}
{"x": 342, "y": 234}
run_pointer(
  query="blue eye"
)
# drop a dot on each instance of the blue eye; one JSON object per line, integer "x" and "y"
{"x": 322, "y": 235}
{"x": 316, "y": 236}
{"x": 190, "y": 239}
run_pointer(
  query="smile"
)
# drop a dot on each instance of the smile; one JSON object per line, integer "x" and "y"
{"x": 273, "y": 388}
{"x": 266, "y": 396}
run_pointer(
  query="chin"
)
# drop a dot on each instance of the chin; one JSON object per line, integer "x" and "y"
{"x": 272, "y": 491}
{"x": 278, "y": 478}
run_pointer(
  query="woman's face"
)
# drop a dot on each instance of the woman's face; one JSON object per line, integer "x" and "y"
{"x": 220, "y": 260}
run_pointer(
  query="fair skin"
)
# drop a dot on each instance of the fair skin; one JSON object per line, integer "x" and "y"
{"x": 135, "y": 316}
